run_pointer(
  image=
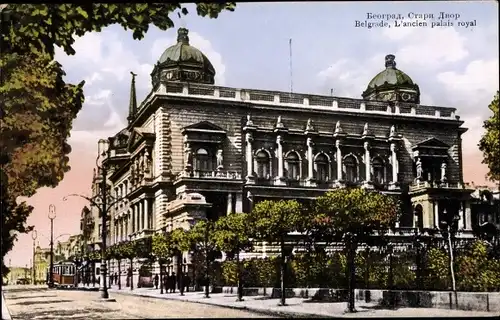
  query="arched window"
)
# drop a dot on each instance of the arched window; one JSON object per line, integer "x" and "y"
{"x": 293, "y": 165}
{"x": 419, "y": 216}
{"x": 202, "y": 160}
{"x": 378, "y": 170}
{"x": 321, "y": 163}
{"x": 351, "y": 172}
{"x": 262, "y": 159}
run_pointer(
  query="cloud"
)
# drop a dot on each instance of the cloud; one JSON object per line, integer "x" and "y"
{"x": 429, "y": 47}
{"x": 199, "y": 42}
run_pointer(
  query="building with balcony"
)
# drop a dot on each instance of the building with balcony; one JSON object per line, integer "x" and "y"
{"x": 196, "y": 150}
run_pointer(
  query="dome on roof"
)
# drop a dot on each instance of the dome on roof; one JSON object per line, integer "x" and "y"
{"x": 183, "y": 62}
{"x": 392, "y": 84}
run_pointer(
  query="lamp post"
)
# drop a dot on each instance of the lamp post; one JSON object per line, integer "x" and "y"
{"x": 33, "y": 236}
{"x": 447, "y": 227}
{"x": 103, "y": 152}
{"x": 207, "y": 260}
{"x": 52, "y": 216}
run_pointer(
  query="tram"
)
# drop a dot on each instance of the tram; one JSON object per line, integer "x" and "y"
{"x": 63, "y": 274}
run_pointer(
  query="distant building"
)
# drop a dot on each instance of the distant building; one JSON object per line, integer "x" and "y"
{"x": 485, "y": 207}
{"x": 42, "y": 262}
{"x": 18, "y": 275}
{"x": 193, "y": 150}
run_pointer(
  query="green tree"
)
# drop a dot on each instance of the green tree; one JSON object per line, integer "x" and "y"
{"x": 272, "y": 222}
{"x": 117, "y": 254}
{"x": 38, "y": 107}
{"x": 490, "y": 142}
{"x": 232, "y": 235}
{"x": 128, "y": 251}
{"x": 203, "y": 239}
{"x": 41, "y": 27}
{"x": 182, "y": 242}
{"x": 354, "y": 214}
{"x": 476, "y": 271}
{"x": 163, "y": 250}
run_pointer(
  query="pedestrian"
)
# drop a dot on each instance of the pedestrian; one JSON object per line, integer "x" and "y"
{"x": 172, "y": 282}
{"x": 156, "y": 281}
{"x": 116, "y": 278}
{"x": 165, "y": 282}
{"x": 187, "y": 282}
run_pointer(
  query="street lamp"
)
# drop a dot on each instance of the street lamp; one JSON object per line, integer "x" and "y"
{"x": 33, "y": 236}
{"x": 103, "y": 148}
{"x": 447, "y": 227}
{"x": 103, "y": 207}
{"x": 52, "y": 216}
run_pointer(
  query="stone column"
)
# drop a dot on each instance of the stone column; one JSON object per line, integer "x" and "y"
{"x": 395, "y": 166}
{"x": 146, "y": 214}
{"x": 132, "y": 218}
{"x": 279, "y": 151}
{"x": 461, "y": 211}
{"x": 130, "y": 222}
{"x": 310, "y": 160}
{"x": 229, "y": 203}
{"x": 140, "y": 220}
{"x": 239, "y": 203}
{"x": 249, "y": 157}
{"x": 368, "y": 165}
{"x": 468, "y": 219}
{"x": 436, "y": 214}
{"x": 339, "y": 161}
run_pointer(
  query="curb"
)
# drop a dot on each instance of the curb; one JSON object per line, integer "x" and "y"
{"x": 5, "y": 311}
{"x": 281, "y": 314}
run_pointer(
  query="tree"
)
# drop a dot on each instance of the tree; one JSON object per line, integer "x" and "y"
{"x": 41, "y": 27}
{"x": 181, "y": 242}
{"x": 272, "y": 222}
{"x": 38, "y": 107}
{"x": 353, "y": 215}
{"x": 117, "y": 254}
{"x": 163, "y": 250}
{"x": 128, "y": 251}
{"x": 490, "y": 142}
{"x": 37, "y": 110}
{"x": 232, "y": 235}
{"x": 202, "y": 237}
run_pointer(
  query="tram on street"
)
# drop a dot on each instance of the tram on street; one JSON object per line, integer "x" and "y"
{"x": 63, "y": 274}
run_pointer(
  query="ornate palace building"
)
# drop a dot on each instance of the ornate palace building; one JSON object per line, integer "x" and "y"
{"x": 195, "y": 150}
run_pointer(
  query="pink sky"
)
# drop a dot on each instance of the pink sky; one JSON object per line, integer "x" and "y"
{"x": 78, "y": 180}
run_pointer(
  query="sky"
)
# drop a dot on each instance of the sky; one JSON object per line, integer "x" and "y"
{"x": 455, "y": 66}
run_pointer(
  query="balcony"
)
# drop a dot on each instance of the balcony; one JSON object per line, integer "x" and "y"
{"x": 422, "y": 185}
{"x": 218, "y": 174}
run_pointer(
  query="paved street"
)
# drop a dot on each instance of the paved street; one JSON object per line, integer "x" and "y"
{"x": 28, "y": 302}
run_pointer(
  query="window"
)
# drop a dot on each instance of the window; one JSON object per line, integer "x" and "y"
{"x": 351, "y": 172}
{"x": 262, "y": 160}
{"x": 202, "y": 160}
{"x": 293, "y": 165}
{"x": 378, "y": 170}
{"x": 321, "y": 163}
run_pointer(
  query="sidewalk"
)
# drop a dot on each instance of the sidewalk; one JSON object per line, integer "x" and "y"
{"x": 298, "y": 307}
{"x": 5, "y": 310}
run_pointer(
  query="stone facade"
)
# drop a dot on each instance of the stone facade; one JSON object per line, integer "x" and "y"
{"x": 195, "y": 150}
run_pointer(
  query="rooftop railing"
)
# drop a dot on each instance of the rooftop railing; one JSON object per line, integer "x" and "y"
{"x": 305, "y": 101}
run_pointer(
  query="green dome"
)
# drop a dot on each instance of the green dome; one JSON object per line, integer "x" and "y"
{"x": 392, "y": 84}
{"x": 183, "y": 52}
{"x": 183, "y": 62}
{"x": 390, "y": 76}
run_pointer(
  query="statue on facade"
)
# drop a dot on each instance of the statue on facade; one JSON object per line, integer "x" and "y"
{"x": 365, "y": 130}
{"x": 392, "y": 132}
{"x": 419, "y": 168}
{"x": 443, "y": 172}
{"x": 220, "y": 160}
{"x": 147, "y": 162}
{"x": 338, "y": 128}
{"x": 279, "y": 124}
{"x": 189, "y": 158}
{"x": 249, "y": 121}
{"x": 309, "y": 125}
